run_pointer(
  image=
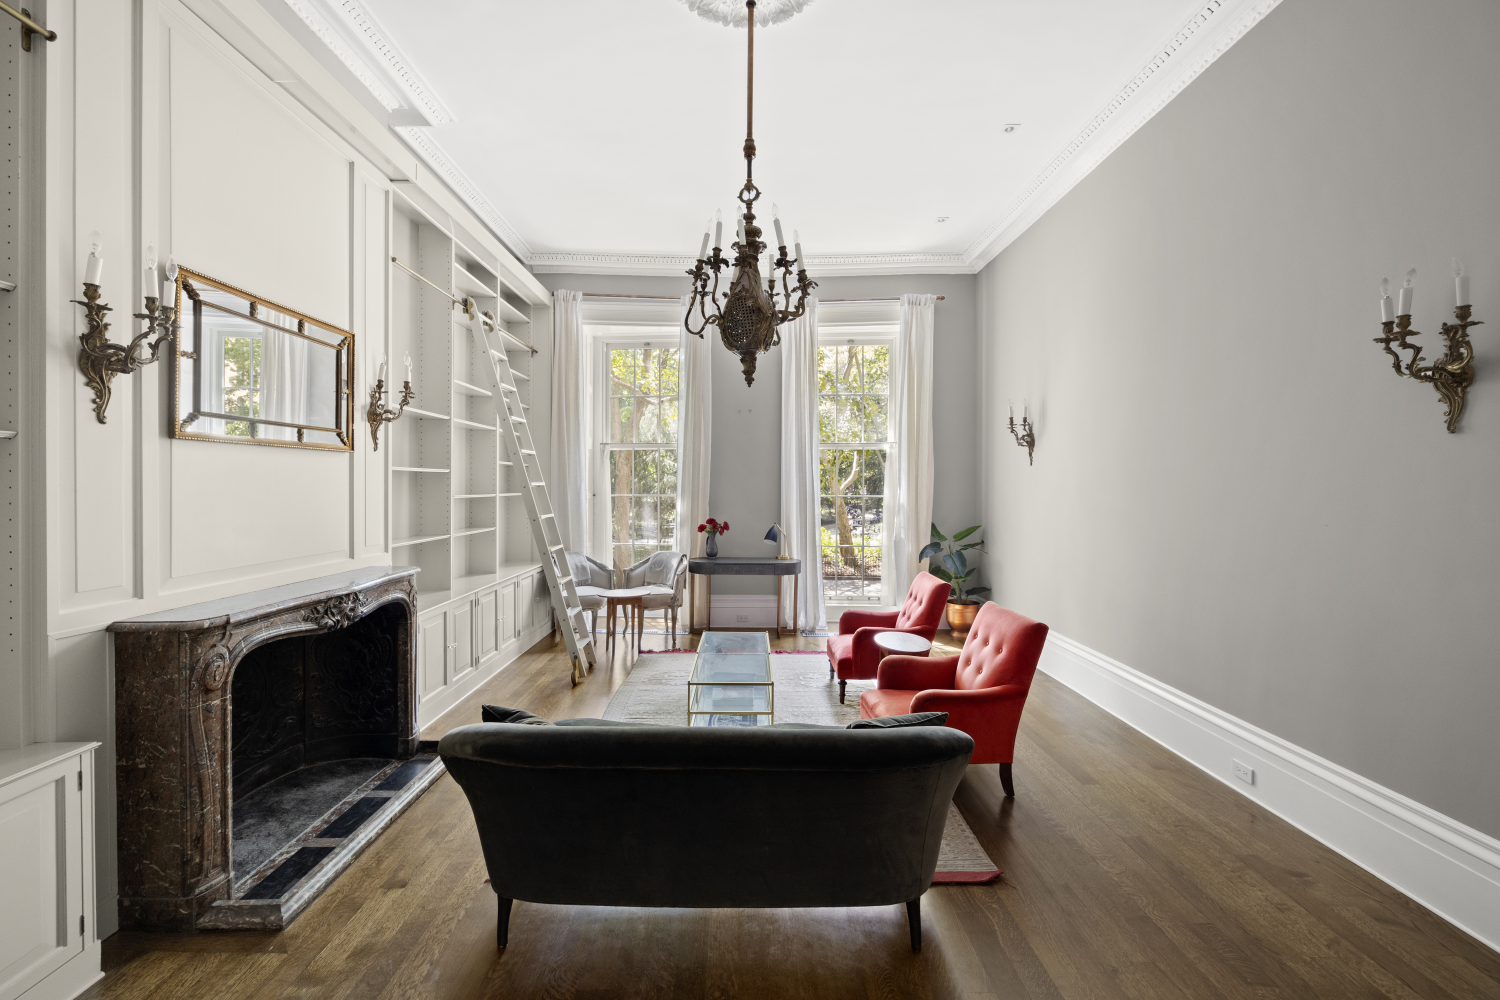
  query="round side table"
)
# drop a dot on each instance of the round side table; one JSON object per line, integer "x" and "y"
{"x": 902, "y": 642}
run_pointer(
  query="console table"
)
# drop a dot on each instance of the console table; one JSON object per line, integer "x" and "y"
{"x": 748, "y": 566}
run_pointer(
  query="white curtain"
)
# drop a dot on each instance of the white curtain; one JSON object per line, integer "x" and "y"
{"x": 694, "y": 438}
{"x": 285, "y": 377}
{"x": 799, "y": 467}
{"x": 567, "y": 482}
{"x": 908, "y": 470}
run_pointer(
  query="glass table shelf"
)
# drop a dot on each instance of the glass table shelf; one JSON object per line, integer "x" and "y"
{"x": 732, "y": 683}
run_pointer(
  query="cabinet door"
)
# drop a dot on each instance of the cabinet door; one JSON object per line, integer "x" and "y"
{"x": 510, "y": 625}
{"x": 462, "y": 640}
{"x": 41, "y": 868}
{"x": 541, "y": 602}
{"x": 487, "y": 626}
{"x": 432, "y": 648}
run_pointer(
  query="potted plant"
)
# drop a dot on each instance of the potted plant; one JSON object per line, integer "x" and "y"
{"x": 954, "y": 568}
{"x": 714, "y": 530}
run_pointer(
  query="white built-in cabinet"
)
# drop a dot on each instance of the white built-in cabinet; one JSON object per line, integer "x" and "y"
{"x": 48, "y": 936}
{"x": 456, "y": 506}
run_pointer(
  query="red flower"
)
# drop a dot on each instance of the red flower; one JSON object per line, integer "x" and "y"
{"x": 702, "y": 526}
{"x": 724, "y": 526}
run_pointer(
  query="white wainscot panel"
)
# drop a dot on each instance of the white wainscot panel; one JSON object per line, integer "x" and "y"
{"x": 238, "y": 506}
{"x": 258, "y": 198}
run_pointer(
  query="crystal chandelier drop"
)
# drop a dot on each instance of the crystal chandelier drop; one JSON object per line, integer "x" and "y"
{"x": 749, "y": 315}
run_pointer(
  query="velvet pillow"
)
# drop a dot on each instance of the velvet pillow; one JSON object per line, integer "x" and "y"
{"x": 498, "y": 713}
{"x": 902, "y": 721}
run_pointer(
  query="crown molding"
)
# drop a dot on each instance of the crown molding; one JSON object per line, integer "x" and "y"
{"x": 1194, "y": 47}
{"x": 458, "y": 182}
{"x": 830, "y": 265}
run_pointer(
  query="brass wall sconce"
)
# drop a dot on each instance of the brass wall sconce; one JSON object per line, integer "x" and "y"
{"x": 1025, "y": 436}
{"x": 1454, "y": 371}
{"x": 98, "y": 359}
{"x": 379, "y": 413}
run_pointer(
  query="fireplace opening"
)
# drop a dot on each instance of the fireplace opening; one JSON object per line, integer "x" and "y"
{"x": 315, "y": 720}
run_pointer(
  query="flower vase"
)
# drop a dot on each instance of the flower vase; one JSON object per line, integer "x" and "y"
{"x": 711, "y": 546}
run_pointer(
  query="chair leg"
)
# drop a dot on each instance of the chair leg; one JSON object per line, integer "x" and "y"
{"x": 1005, "y": 782}
{"x": 914, "y": 922}
{"x": 502, "y": 922}
{"x": 841, "y": 691}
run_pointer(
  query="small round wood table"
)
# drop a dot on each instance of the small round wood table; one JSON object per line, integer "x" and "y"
{"x": 902, "y": 642}
{"x": 629, "y": 601}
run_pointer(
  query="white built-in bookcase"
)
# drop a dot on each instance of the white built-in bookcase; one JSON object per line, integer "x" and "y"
{"x": 456, "y": 506}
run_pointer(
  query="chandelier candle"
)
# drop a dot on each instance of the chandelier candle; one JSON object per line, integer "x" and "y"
{"x": 749, "y": 316}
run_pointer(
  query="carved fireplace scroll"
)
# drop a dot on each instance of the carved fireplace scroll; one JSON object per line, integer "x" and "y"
{"x": 174, "y": 675}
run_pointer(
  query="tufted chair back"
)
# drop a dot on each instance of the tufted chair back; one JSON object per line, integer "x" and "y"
{"x": 1002, "y": 648}
{"x": 925, "y": 599}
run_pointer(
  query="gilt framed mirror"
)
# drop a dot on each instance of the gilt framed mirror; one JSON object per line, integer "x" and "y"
{"x": 249, "y": 371}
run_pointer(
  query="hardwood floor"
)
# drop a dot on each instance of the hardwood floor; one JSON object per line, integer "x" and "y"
{"x": 1129, "y": 874}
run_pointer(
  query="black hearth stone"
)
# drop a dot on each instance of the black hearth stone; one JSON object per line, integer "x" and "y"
{"x": 275, "y": 814}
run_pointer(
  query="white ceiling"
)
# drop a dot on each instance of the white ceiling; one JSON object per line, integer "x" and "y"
{"x": 603, "y": 133}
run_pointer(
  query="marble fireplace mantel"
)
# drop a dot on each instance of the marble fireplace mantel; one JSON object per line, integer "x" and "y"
{"x": 173, "y": 673}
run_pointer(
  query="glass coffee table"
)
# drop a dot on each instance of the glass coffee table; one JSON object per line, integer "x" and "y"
{"x": 732, "y": 683}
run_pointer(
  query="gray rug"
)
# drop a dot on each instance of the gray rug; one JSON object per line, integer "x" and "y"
{"x": 656, "y": 692}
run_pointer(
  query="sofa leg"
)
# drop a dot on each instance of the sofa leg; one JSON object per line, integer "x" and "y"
{"x": 841, "y": 691}
{"x": 1005, "y": 783}
{"x": 914, "y": 921}
{"x": 502, "y": 922}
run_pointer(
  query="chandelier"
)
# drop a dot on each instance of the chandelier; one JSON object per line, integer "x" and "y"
{"x": 750, "y": 314}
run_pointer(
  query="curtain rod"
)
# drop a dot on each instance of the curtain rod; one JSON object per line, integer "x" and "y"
{"x": 458, "y": 302}
{"x": 677, "y": 298}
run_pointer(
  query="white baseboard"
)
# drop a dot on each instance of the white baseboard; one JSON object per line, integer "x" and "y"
{"x": 1450, "y": 868}
{"x": 743, "y": 611}
{"x": 71, "y": 978}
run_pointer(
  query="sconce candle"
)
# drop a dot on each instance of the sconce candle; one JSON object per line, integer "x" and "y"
{"x": 1460, "y": 283}
{"x": 1403, "y": 300}
{"x": 408, "y": 368}
{"x": 93, "y": 270}
{"x": 1387, "y": 307}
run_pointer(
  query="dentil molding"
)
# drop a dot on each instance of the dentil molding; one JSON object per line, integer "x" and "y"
{"x": 1181, "y": 58}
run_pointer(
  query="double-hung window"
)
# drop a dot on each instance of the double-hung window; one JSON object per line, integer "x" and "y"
{"x": 853, "y": 399}
{"x": 640, "y": 443}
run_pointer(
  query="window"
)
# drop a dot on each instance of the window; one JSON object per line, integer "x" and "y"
{"x": 853, "y": 395}
{"x": 241, "y": 383}
{"x": 641, "y": 445}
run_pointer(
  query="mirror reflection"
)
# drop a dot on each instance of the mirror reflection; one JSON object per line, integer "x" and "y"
{"x": 254, "y": 372}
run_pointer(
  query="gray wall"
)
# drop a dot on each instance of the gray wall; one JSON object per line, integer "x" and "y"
{"x": 745, "y": 481}
{"x": 1233, "y": 492}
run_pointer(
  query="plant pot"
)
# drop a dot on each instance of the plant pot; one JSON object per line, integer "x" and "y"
{"x": 961, "y": 617}
{"x": 711, "y": 546}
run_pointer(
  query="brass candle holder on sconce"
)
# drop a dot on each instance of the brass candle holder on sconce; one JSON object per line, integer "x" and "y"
{"x": 1454, "y": 371}
{"x": 1025, "y": 435}
{"x": 100, "y": 361}
{"x": 379, "y": 413}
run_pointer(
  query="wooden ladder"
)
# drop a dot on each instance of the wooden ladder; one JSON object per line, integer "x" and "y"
{"x": 512, "y": 426}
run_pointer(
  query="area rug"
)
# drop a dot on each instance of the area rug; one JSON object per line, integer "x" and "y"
{"x": 656, "y": 692}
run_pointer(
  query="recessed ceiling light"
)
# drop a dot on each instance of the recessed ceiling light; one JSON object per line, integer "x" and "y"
{"x": 1012, "y": 128}
{"x": 943, "y": 218}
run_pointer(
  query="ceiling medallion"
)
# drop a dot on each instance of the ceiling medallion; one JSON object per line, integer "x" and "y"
{"x": 749, "y": 315}
{"x": 730, "y": 14}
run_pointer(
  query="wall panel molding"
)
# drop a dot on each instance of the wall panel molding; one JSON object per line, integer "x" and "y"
{"x": 1448, "y": 867}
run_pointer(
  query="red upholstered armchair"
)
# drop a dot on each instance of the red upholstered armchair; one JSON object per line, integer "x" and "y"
{"x": 983, "y": 688}
{"x": 853, "y": 655}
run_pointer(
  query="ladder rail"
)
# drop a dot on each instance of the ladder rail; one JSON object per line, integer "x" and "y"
{"x": 513, "y": 429}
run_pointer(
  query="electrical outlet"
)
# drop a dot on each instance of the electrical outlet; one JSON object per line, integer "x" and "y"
{"x": 742, "y": 619}
{"x": 1245, "y": 774}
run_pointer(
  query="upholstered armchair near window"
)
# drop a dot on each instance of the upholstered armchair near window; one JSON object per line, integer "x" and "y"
{"x": 591, "y": 577}
{"x": 853, "y": 655}
{"x": 983, "y": 688}
{"x": 665, "y": 573}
